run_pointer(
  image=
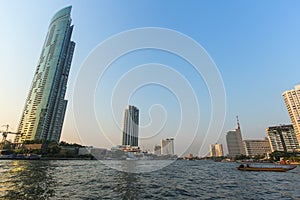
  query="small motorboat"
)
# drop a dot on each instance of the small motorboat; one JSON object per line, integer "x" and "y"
{"x": 266, "y": 168}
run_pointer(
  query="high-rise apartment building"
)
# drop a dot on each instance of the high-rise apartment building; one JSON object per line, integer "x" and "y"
{"x": 45, "y": 106}
{"x": 257, "y": 147}
{"x": 167, "y": 146}
{"x": 131, "y": 126}
{"x": 292, "y": 102}
{"x": 282, "y": 138}
{"x": 157, "y": 150}
{"x": 216, "y": 150}
{"x": 235, "y": 141}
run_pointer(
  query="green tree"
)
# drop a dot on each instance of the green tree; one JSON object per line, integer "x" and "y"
{"x": 53, "y": 148}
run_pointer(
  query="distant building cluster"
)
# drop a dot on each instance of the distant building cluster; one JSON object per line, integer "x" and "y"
{"x": 129, "y": 149}
{"x": 279, "y": 138}
{"x": 165, "y": 148}
{"x": 131, "y": 135}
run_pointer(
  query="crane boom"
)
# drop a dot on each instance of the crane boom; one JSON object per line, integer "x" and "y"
{"x": 5, "y": 133}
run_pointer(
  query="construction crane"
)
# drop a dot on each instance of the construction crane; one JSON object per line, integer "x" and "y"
{"x": 5, "y": 134}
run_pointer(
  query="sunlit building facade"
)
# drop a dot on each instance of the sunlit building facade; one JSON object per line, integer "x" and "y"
{"x": 45, "y": 106}
{"x": 216, "y": 150}
{"x": 131, "y": 126}
{"x": 292, "y": 102}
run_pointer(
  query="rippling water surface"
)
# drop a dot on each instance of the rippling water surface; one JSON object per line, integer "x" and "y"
{"x": 180, "y": 180}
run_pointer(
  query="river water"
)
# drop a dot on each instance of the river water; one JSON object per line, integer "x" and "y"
{"x": 90, "y": 179}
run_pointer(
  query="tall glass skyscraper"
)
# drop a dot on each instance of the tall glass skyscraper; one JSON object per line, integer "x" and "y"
{"x": 45, "y": 106}
{"x": 131, "y": 126}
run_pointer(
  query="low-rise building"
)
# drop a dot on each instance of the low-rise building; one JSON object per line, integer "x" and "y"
{"x": 257, "y": 147}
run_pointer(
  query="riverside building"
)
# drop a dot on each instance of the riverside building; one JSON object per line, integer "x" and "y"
{"x": 282, "y": 138}
{"x": 45, "y": 106}
{"x": 216, "y": 150}
{"x": 234, "y": 141}
{"x": 292, "y": 102}
{"x": 257, "y": 147}
{"x": 157, "y": 150}
{"x": 131, "y": 126}
{"x": 167, "y": 146}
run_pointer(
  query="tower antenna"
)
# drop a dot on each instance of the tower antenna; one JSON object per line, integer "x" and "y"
{"x": 238, "y": 121}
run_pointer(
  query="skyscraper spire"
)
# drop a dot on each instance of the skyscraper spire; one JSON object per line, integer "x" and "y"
{"x": 238, "y": 122}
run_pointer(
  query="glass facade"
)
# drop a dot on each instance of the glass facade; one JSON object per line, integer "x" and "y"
{"x": 45, "y": 105}
{"x": 131, "y": 126}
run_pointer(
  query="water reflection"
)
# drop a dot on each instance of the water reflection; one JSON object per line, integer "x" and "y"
{"x": 25, "y": 180}
{"x": 126, "y": 185}
{"x": 138, "y": 166}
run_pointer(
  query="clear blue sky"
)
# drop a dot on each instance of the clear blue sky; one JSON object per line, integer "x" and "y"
{"x": 255, "y": 45}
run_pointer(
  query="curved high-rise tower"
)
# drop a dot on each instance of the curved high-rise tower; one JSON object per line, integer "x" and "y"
{"x": 45, "y": 105}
